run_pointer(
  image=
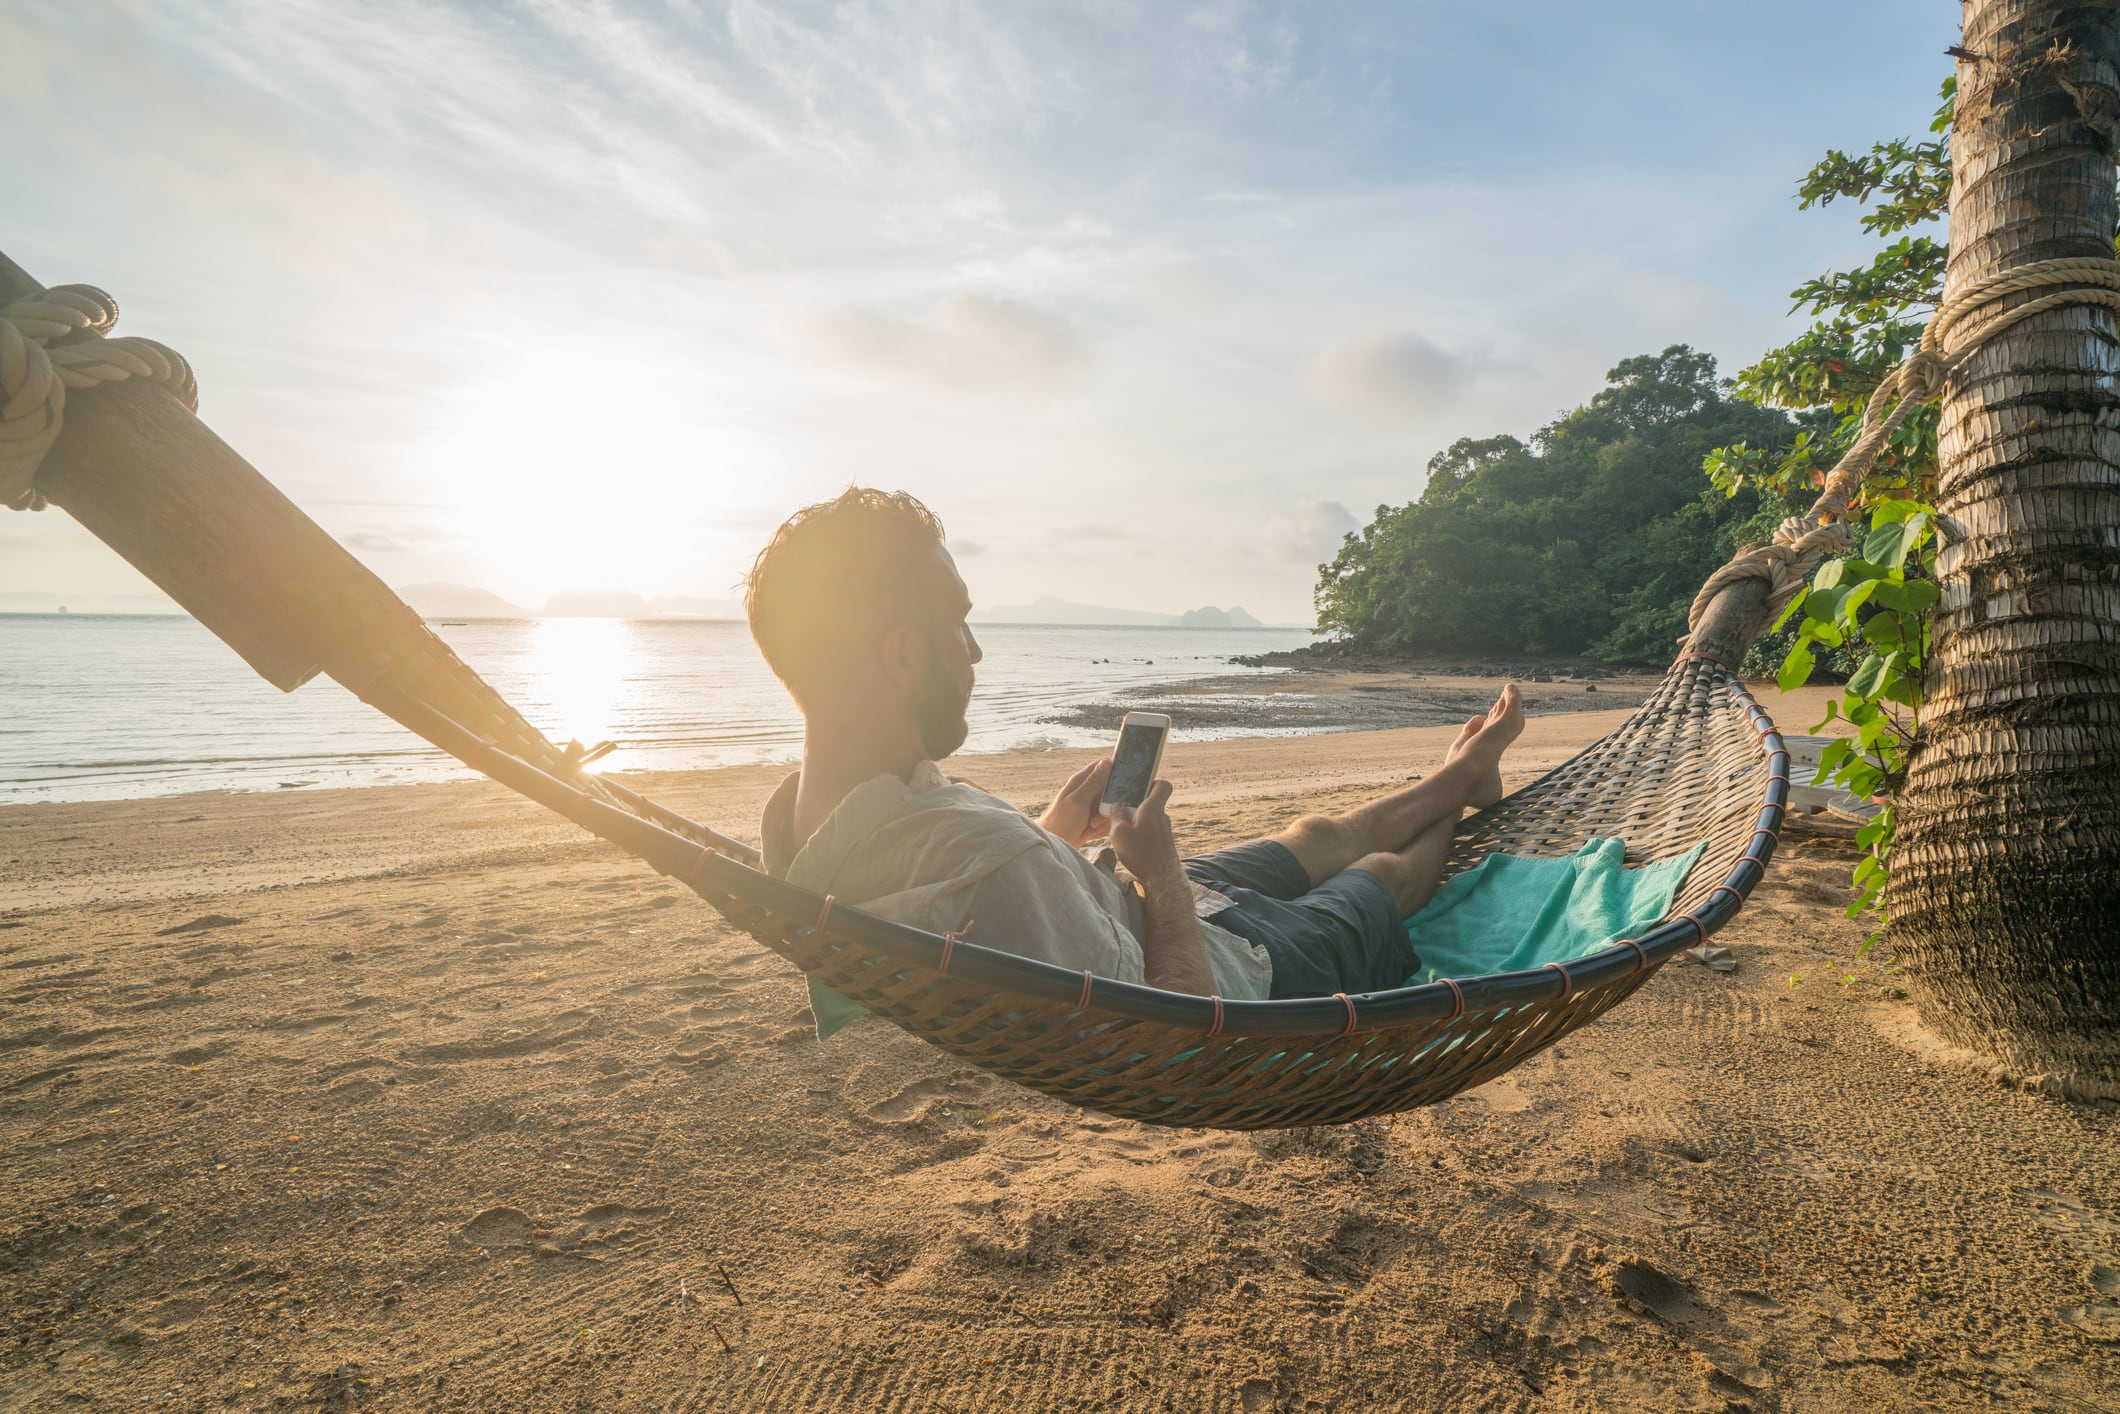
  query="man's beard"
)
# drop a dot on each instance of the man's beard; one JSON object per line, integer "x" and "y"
{"x": 939, "y": 712}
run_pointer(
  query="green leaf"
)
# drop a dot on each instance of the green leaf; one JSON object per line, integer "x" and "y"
{"x": 1796, "y": 668}
{"x": 1863, "y": 681}
{"x": 1861, "y": 594}
{"x": 1831, "y": 759}
{"x": 1889, "y": 543}
{"x": 1884, "y": 629}
{"x": 1886, "y": 544}
{"x": 1903, "y": 688}
{"x": 1914, "y": 597}
{"x": 1829, "y": 574}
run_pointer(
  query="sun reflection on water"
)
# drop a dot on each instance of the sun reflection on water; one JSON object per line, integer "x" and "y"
{"x": 580, "y": 669}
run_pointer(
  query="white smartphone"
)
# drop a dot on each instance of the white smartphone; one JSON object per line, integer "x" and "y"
{"x": 1134, "y": 759}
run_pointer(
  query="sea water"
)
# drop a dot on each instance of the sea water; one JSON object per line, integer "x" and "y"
{"x": 107, "y": 706}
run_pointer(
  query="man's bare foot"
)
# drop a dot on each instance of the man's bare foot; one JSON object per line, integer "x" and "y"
{"x": 1465, "y": 735}
{"x": 1502, "y": 724}
{"x": 1505, "y": 718}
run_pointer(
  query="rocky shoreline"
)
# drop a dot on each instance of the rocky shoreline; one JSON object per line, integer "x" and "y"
{"x": 1331, "y": 657}
{"x": 1310, "y": 696}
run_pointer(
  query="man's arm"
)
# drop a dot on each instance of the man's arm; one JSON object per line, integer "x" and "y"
{"x": 1173, "y": 957}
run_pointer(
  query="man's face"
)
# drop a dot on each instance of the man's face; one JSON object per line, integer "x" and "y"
{"x": 945, "y": 694}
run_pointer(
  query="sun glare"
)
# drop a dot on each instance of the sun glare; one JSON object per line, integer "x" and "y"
{"x": 582, "y": 470}
{"x": 580, "y": 668}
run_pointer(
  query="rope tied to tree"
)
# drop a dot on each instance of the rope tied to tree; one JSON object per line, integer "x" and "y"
{"x": 55, "y": 340}
{"x": 1959, "y": 327}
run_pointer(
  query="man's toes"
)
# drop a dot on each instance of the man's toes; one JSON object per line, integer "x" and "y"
{"x": 1465, "y": 735}
{"x": 1506, "y": 722}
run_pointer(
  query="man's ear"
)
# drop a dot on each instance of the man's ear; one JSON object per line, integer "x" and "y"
{"x": 899, "y": 656}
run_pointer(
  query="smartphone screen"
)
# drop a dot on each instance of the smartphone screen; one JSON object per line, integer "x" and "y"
{"x": 1134, "y": 763}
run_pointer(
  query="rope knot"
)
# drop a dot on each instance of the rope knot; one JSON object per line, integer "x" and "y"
{"x": 54, "y": 340}
{"x": 1923, "y": 375}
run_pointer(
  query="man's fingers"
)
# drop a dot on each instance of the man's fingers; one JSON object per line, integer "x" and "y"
{"x": 1124, "y": 816}
{"x": 1092, "y": 776}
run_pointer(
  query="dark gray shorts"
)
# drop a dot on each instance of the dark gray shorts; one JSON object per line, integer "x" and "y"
{"x": 1344, "y": 935}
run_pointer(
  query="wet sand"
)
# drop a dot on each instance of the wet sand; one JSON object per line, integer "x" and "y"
{"x": 413, "y": 1098}
{"x": 1333, "y": 700}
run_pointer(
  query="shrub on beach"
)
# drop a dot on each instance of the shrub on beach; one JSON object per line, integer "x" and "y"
{"x": 1589, "y": 539}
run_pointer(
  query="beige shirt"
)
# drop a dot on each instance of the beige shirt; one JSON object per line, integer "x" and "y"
{"x": 940, "y": 854}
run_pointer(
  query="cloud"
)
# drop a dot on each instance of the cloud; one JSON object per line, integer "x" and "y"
{"x": 1309, "y": 532}
{"x": 1397, "y": 375}
{"x": 1108, "y": 533}
{"x": 365, "y": 217}
{"x": 968, "y": 340}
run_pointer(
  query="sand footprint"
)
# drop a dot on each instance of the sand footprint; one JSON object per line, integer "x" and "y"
{"x": 2096, "y": 1236}
{"x": 499, "y": 1227}
{"x": 2100, "y": 1320}
{"x": 1656, "y": 1291}
{"x": 171, "y": 1317}
{"x": 1649, "y": 1288}
{"x": 912, "y": 1103}
{"x": 612, "y": 1227}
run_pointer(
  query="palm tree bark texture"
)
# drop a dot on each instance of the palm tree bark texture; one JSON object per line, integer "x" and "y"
{"x": 2005, "y": 883}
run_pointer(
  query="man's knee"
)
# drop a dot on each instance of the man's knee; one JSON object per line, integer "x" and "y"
{"x": 1315, "y": 835}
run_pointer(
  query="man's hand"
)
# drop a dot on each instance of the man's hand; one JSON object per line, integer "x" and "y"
{"x": 1173, "y": 956}
{"x": 1073, "y": 815}
{"x": 1142, "y": 839}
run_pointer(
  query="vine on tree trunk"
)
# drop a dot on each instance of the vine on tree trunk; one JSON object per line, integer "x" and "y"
{"x": 1864, "y": 617}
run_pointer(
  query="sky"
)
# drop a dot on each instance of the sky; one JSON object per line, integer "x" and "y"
{"x": 1150, "y": 302}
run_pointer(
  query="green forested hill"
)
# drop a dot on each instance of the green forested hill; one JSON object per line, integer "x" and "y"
{"x": 1590, "y": 539}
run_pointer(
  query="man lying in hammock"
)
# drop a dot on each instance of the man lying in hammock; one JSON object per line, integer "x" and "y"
{"x": 859, "y": 609}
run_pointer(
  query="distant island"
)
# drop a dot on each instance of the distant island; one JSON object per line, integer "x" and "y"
{"x": 1049, "y": 610}
{"x": 466, "y": 601}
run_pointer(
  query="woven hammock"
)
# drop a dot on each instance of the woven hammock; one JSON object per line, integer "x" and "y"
{"x": 1699, "y": 763}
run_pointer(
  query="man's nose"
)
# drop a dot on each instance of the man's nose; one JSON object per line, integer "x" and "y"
{"x": 972, "y": 642}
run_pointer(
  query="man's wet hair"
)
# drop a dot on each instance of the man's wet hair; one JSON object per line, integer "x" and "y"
{"x": 835, "y": 576}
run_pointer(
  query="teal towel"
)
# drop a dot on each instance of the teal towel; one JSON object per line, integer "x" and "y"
{"x": 1513, "y": 911}
{"x": 831, "y": 1010}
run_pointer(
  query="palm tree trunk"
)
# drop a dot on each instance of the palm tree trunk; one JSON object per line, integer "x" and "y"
{"x": 2005, "y": 885}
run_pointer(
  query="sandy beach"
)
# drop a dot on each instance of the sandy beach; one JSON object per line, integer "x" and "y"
{"x": 415, "y": 1098}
